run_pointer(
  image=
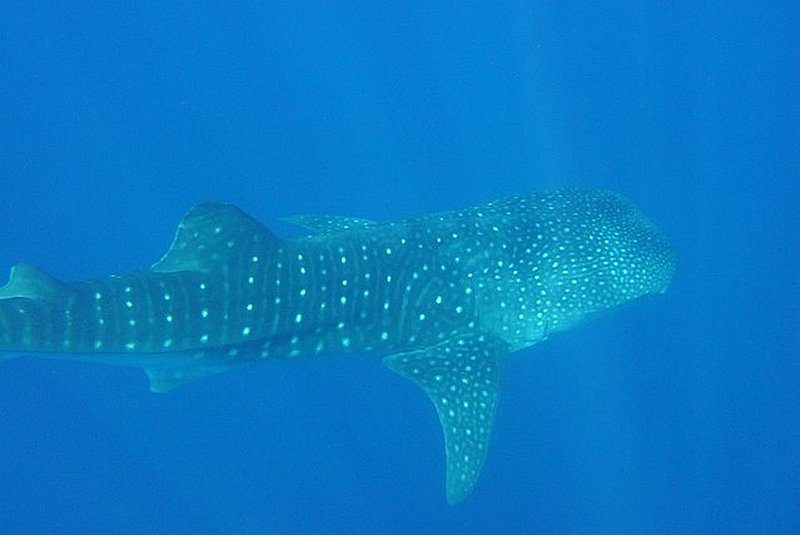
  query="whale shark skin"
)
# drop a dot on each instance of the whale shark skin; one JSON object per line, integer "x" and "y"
{"x": 443, "y": 298}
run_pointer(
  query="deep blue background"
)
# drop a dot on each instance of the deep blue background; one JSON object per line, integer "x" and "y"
{"x": 679, "y": 414}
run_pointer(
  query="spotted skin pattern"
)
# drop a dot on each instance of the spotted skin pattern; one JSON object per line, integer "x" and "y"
{"x": 443, "y": 297}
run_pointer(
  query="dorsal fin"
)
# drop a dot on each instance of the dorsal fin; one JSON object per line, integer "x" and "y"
{"x": 320, "y": 225}
{"x": 208, "y": 234}
{"x": 31, "y": 283}
{"x": 462, "y": 378}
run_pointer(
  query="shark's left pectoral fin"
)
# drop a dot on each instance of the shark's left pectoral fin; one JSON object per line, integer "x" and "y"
{"x": 461, "y": 375}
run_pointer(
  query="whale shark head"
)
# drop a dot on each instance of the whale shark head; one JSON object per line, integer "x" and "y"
{"x": 618, "y": 251}
{"x": 582, "y": 252}
{"x": 603, "y": 253}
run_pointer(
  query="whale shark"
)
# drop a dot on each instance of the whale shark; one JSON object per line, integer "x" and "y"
{"x": 442, "y": 298}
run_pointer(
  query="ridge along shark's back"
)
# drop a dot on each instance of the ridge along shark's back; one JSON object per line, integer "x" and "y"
{"x": 445, "y": 297}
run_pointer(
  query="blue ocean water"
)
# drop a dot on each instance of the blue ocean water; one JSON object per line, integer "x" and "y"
{"x": 678, "y": 414}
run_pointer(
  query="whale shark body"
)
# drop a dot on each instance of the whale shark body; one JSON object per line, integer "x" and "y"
{"x": 444, "y": 298}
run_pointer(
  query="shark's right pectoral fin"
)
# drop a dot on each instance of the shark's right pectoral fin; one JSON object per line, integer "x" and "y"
{"x": 462, "y": 377}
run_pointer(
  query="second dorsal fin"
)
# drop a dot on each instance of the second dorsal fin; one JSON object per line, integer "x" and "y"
{"x": 29, "y": 282}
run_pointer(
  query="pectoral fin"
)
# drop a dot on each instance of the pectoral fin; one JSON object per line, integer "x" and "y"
{"x": 462, "y": 378}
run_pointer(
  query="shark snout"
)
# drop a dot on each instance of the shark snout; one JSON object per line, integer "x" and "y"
{"x": 658, "y": 259}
